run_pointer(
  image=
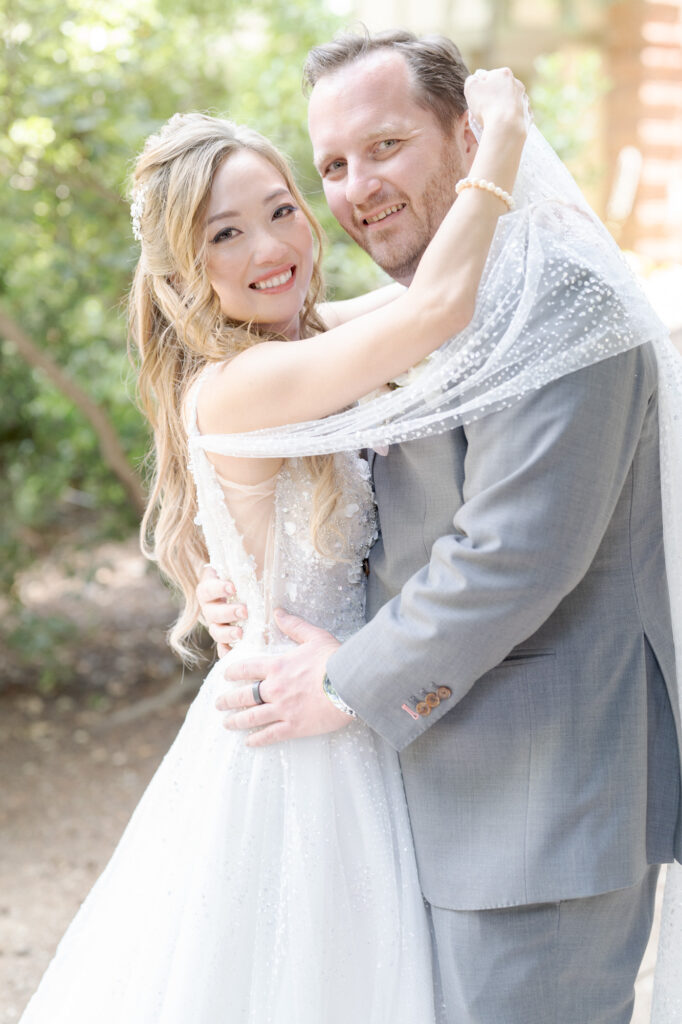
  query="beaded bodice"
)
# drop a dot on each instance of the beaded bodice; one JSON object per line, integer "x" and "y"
{"x": 326, "y": 590}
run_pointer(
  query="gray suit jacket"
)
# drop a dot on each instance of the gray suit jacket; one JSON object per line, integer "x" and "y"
{"x": 524, "y": 670}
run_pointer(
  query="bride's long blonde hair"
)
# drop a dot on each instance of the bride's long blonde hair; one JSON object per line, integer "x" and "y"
{"x": 177, "y": 326}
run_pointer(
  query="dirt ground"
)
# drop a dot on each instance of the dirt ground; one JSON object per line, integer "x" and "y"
{"x": 73, "y": 768}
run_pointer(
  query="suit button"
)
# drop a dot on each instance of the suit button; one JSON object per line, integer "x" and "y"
{"x": 432, "y": 699}
{"x": 423, "y": 708}
{"x": 444, "y": 692}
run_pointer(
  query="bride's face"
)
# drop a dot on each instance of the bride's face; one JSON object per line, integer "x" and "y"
{"x": 259, "y": 244}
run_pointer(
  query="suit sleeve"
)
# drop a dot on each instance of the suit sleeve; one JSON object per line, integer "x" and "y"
{"x": 541, "y": 482}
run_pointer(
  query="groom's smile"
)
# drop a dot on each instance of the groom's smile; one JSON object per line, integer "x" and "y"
{"x": 389, "y": 212}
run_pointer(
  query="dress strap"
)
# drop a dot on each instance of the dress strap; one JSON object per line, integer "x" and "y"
{"x": 226, "y": 549}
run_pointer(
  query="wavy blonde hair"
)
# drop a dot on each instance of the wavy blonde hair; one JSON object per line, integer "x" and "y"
{"x": 177, "y": 326}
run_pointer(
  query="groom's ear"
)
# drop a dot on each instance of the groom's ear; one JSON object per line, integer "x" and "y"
{"x": 469, "y": 143}
{"x": 464, "y": 138}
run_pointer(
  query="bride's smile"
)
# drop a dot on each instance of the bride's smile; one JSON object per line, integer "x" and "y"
{"x": 277, "y": 282}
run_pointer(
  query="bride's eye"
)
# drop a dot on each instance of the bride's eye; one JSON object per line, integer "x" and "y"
{"x": 225, "y": 233}
{"x": 282, "y": 211}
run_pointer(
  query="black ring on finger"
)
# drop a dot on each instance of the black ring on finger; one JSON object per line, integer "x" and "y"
{"x": 255, "y": 693}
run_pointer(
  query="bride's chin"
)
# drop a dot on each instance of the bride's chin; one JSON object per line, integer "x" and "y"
{"x": 289, "y": 330}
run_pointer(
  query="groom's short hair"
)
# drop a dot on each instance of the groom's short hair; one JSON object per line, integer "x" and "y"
{"x": 435, "y": 63}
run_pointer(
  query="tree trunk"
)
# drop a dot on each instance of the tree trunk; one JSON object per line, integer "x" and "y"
{"x": 110, "y": 446}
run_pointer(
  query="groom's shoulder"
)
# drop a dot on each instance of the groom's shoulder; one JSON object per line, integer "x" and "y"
{"x": 590, "y": 396}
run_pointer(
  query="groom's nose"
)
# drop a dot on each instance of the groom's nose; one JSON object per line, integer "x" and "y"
{"x": 361, "y": 185}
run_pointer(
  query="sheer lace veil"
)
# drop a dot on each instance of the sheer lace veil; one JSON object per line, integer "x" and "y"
{"x": 556, "y": 296}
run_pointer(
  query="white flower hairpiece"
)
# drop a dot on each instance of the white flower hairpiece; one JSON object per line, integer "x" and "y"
{"x": 137, "y": 209}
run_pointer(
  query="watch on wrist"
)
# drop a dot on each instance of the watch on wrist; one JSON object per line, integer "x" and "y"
{"x": 337, "y": 701}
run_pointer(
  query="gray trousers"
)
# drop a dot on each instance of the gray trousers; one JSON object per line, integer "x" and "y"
{"x": 571, "y": 962}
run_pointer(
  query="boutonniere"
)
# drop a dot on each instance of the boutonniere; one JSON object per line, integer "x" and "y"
{"x": 401, "y": 381}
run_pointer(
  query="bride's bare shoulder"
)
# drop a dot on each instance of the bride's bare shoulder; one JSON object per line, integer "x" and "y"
{"x": 225, "y": 403}
{"x": 218, "y": 412}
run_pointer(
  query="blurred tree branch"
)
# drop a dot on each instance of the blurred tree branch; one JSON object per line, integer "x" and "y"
{"x": 110, "y": 446}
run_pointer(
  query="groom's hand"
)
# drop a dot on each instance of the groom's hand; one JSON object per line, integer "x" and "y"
{"x": 291, "y": 686}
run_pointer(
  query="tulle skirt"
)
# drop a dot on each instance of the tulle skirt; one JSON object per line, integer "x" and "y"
{"x": 253, "y": 886}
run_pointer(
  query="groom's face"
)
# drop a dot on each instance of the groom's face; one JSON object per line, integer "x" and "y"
{"x": 388, "y": 168}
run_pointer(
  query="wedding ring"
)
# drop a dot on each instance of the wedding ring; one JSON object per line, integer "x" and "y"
{"x": 255, "y": 693}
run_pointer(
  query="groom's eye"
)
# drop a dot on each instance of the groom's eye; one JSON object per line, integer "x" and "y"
{"x": 387, "y": 144}
{"x": 333, "y": 166}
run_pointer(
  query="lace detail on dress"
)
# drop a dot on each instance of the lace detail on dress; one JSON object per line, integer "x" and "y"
{"x": 327, "y": 591}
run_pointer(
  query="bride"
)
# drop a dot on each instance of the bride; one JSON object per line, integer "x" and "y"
{"x": 274, "y": 885}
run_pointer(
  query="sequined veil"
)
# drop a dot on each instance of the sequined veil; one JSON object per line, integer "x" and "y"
{"x": 556, "y": 296}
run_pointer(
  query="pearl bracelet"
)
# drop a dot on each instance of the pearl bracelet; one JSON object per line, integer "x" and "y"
{"x": 487, "y": 186}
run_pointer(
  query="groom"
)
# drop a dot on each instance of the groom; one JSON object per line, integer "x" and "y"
{"x": 519, "y": 651}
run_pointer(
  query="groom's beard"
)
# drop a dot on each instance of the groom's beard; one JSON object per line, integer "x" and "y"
{"x": 399, "y": 247}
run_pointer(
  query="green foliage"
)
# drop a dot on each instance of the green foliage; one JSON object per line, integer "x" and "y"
{"x": 82, "y": 83}
{"x": 565, "y": 95}
{"x": 36, "y": 649}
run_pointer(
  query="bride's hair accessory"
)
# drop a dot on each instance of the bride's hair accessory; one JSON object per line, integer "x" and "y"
{"x": 487, "y": 186}
{"x": 138, "y": 198}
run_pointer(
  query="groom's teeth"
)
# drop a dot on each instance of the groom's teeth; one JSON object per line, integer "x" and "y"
{"x": 385, "y": 213}
{"x": 273, "y": 282}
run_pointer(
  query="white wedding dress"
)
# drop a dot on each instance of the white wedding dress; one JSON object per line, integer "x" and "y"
{"x": 259, "y": 886}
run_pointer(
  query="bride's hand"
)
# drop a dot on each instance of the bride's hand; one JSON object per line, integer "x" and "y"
{"x": 221, "y": 612}
{"x": 497, "y": 97}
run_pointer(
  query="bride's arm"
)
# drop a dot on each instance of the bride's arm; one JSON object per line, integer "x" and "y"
{"x": 334, "y": 314}
{"x": 275, "y": 383}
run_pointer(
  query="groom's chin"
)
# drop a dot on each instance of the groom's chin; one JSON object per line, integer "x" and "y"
{"x": 398, "y": 264}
